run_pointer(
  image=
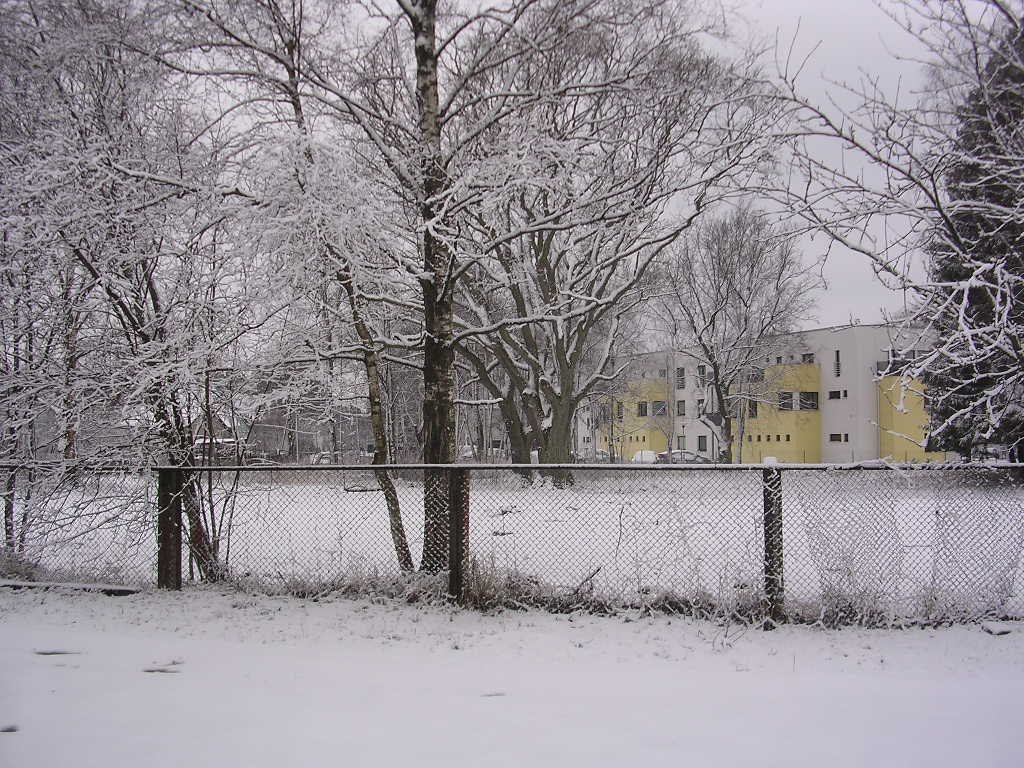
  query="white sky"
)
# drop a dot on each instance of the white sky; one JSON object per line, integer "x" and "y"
{"x": 851, "y": 35}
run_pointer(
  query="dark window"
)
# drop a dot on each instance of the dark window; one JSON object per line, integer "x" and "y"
{"x": 702, "y": 443}
{"x": 785, "y": 401}
{"x": 497, "y": 443}
{"x": 833, "y": 394}
{"x": 835, "y": 437}
{"x": 662, "y": 373}
{"x": 659, "y": 408}
{"x": 680, "y": 378}
{"x": 787, "y": 438}
{"x": 750, "y": 438}
{"x": 700, "y": 407}
{"x": 641, "y": 408}
{"x": 619, "y": 411}
{"x": 844, "y": 393}
{"x": 643, "y": 438}
{"x": 681, "y": 442}
{"x": 837, "y": 366}
{"x": 807, "y": 357}
{"x": 680, "y": 407}
{"x": 759, "y": 438}
{"x": 778, "y": 438}
{"x": 369, "y": 447}
{"x": 808, "y": 401}
{"x": 846, "y": 437}
{"x": 756, "y": 374}
{"x": 778, "y": 360}
{"x": 752, "y": 409}
{"x": 767, "y": 438}
{"x": 702, "y": 376}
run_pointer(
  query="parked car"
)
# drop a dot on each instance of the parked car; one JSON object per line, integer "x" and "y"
{"x": 682, "y": 457}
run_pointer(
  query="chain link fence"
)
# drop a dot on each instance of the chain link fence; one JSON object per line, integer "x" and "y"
{"x": 873, "y": 545}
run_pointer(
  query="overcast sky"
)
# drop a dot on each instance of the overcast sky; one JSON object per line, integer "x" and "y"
{"x": 851, "y": 35}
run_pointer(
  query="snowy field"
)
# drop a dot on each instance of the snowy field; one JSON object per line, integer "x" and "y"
{"x": 210, "y": 678}
{"x": 918, "y": 545}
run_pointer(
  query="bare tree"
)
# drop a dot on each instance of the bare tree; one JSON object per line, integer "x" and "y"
{"x": 584, "y": 190}
{"x": 727, "y": 293}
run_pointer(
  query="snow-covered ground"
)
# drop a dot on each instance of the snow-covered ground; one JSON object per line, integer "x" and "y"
{"x": 212, "y": 678}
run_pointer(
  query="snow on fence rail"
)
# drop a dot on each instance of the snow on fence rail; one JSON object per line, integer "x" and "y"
{"x": 875, "y": 544}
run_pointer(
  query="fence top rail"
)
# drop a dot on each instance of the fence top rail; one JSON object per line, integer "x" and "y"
{"x": 623, "y": 467}
{"x": 626, "y": 467}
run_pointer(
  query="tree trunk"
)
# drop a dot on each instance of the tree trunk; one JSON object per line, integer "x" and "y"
{"x": 10, "y": 485}
{"x": 438, "y": 266}
{"x": 377, "y": 424}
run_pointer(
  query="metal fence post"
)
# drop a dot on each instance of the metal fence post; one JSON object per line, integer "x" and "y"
{"x": 774, "y": 585}
{"x": 458, "y": 531}
{"x": 168, "y": 557}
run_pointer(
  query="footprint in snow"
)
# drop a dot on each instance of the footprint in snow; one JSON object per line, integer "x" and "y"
{"x": 166, "y": 669}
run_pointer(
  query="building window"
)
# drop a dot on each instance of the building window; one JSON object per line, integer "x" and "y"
{"x": 643, "y": 438}
{"x": 659, "y": 408}
{"x": 702, "y": 376}
{"x": 833, "y": 394}
{"x": 702, "y": 443}
{"x": 619, "y": 410}
{"x": 752, "y": 409}
{"x": 778, "y": 438}
{"x": 496, "y": 444}
{"x": 767, "y": 438}
{"x": 680, "y": 378}
{"x": 808, "y": 401}
{"x": 835, "y": 437}
{"x": 759, "y": 438}
{"x": 787, "y": 438}
{"x": 750, "y": 438}
{"x": 785, "y": 401}
{"x": 662, "y": 373}
{"x": 844, "y": 393}
{"x": 681, "y": 442}
{"x": 700, "y": 407}
{"x": 807, "y": 358}
{"x": 756, "y": 375}
{"x": 846, "y": 437}
{"x": 641, "y": 408}
{"x": 837, "y": 366}
{"x": 680, "y": 407}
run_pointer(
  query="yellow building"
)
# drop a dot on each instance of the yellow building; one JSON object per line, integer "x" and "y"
{"x": 785, "y": 421}
{"x": 817, "y": 396}
{"x": 903, "y": 421}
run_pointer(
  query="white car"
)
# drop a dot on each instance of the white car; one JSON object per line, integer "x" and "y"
{"x": 644, "y": 457}
{"x": 682, "y": 457}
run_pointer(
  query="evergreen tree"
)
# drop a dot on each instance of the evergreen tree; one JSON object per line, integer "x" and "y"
{"x": 983, "y": 235}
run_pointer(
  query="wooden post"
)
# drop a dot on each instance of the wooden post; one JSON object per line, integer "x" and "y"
{"x": 458, "y": 531}
{"x": 774, "y": 584}
{"x": 168, "y": 558}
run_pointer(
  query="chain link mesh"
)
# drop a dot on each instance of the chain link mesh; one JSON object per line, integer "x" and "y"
{"x": 869, "y": 545}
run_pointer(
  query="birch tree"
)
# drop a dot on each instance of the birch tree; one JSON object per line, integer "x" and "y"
{"x": 310, "y": 214}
